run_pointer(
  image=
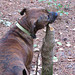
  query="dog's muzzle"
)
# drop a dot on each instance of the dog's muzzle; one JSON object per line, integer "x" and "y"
{"x": 52, "y": 17}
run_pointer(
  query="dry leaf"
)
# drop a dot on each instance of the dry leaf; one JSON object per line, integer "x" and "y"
{"x": 68, "y": 44}
{"x": 36, "y": 49}
{"x": 56, "y": 40}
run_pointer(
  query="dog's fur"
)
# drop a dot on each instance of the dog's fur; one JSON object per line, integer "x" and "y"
{"x": 16, "y": 47}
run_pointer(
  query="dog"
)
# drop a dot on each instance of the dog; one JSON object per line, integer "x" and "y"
{"x": 16, "y": 46}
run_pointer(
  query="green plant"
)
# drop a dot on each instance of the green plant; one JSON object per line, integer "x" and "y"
{"x": 58, "y": 6}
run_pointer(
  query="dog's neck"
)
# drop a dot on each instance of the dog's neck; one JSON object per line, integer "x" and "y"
{"x": 15, "y": 31}
{"x": 27, "y": 25}
{"x": 24, "y": 23}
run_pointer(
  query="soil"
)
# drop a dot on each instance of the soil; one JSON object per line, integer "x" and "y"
{"x": 64, "y": 32}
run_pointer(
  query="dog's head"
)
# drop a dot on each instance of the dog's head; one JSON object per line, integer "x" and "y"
{"x": 38, "y": 18}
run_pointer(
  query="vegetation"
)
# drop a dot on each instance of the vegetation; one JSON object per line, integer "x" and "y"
{"x": 59, "y": 6}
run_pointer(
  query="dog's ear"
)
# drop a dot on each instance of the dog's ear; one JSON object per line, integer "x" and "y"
{"x": 23, "y": 11}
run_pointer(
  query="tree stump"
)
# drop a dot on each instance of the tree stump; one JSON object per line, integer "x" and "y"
{"x": 47, "y": 51}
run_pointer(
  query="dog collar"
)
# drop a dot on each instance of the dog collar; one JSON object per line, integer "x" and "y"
{"x": 23, "y": 29}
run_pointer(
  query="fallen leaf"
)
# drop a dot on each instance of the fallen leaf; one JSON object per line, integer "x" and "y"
{"x": 40, "y": 0}
{"x": 67, "y": 26}
{"x": 59, "y": 43}
{"x": 56, "y": 40}
{"x": 73, "y": 29}
{"x": 61, "y": 49}
{"x": 70, "y": 60}
{"x": 10, "y": 0}
{"x": 50, "y": 0}
{"x": 7, "y": 23}
{"x": 37, "y": 39}
{"x": 34, "y": 67}
{"x": 10, "y": 14}
{"x": 39, "y": 67}
{"x": 55, "y": 0}
{"x": 19, "y": 11}
{"x": 39, "y": 46}
{"x": 69, "y": 66}
{"x": 39, "y": 62}
{"x": 55, "y": 4}
{"x": 60, "y": 33}
{"x": 66, "y": 1}
{"x": 35, "y": 45}
{"x": 55, "y": 74}
{"x": 44, "y": 30}
{"x": 36, "y": 49}
{"x": 32, "y": 73}
{"x": 37, "y": 73}
{"x": 58, "y": 11}
{"x": 66, "y": 13}
{"x": 55, "y": 59}
{"x": 68, "y": 44}
{"x": 1, "y": 21}
{"x": 61, "y": 14}
{"x": 1, "y": 13}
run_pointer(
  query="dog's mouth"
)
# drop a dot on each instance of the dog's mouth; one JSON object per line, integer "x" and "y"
{"x": 52, "y": 17}
{"x": 45, "y": 20}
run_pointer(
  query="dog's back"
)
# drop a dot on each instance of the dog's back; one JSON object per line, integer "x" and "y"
{"x": 12, "y": 54}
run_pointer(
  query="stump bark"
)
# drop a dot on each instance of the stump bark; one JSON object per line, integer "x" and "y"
{"x": 47, "y": 51}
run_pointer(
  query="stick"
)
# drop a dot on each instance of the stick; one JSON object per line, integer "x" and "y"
{"x": 47, "y": 51}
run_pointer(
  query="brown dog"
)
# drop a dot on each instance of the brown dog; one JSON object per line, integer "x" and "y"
{"x": 16, "y": 47}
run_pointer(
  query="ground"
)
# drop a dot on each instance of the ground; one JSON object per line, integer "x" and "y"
{"x": 64, "y": 50}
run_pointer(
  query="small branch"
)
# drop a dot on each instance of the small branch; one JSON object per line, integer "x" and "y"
{"x": 47, "y": 51}
{"x": 37, "y": 64}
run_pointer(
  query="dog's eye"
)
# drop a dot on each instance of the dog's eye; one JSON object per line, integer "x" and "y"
{"x": 43, "y": 18}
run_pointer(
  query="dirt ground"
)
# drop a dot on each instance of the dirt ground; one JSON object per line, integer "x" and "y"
{"x": 64, "y": 34}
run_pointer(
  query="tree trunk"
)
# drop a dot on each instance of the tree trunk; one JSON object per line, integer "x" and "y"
{"x": 47, "y": 51}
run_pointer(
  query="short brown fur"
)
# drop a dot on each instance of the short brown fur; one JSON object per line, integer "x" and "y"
{"x": 16, "y": 47}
